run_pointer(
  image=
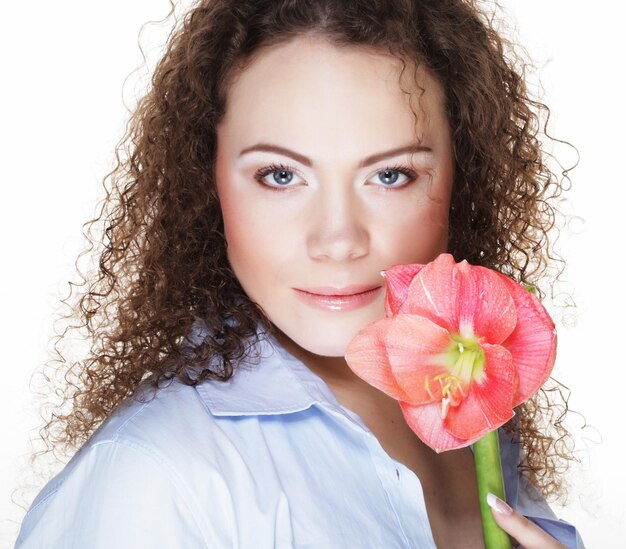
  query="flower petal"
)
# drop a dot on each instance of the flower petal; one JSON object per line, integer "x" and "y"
{"x": 532, "y": 343}
{"x": 367, "y": 358}
{"x": 486, "y": 307}
{"x": 416, "y": 348}
{"x": 398, "y": 279}
{"x": 434, "y": 292}
{"x": 463, "y": 298}
{"x": 489, "y": 403}
{"x": 425, "y": 421}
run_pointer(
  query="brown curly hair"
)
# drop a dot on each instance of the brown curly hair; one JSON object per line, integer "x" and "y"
{"x": 159, "y": 239}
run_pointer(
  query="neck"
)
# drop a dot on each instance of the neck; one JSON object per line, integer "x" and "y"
{"x": 332, "y": 369}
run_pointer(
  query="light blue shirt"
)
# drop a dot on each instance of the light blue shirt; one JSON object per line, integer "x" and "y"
{"x": 268, "y": 459}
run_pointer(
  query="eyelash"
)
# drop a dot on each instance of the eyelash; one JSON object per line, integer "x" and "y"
{"x": 261, "y": 173}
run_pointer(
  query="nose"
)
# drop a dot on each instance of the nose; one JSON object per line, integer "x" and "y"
{"x": 338, "y": 229}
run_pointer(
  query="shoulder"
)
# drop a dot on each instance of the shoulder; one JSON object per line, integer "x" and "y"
{"x": 170, "y": 427}
{"x": 129, "y": 485}
{"x": 167, "y": 422}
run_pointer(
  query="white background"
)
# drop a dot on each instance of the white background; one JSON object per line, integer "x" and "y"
{"x": 63, "y": 67}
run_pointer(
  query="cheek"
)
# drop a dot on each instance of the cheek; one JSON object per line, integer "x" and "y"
{"x": 437, "y": 222}
{"x": 417, "y": 233}
{"x": 236, "y": 212}
{"x": 257, "y": 241}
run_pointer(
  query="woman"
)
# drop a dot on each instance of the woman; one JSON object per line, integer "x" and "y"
{"x": 286, "y": 154}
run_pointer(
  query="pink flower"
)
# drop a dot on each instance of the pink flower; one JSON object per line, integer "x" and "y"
{"x": 460, "y": 347}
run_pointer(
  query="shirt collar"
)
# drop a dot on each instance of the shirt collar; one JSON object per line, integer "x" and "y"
{"x": 268, "y": 381}
{"x": 271, "y": 381}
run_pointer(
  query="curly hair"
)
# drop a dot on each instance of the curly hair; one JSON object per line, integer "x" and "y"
{"x": 158, "y": 240}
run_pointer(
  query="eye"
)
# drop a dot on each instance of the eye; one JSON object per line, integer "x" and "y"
{"x": 389, "y": 176}
{"x": 281, "y": 176}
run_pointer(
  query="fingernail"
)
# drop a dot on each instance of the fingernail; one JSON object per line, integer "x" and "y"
{"x": 498, "y": 505}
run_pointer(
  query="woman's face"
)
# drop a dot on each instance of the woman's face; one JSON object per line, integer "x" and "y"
{"x": 320, "y": 209}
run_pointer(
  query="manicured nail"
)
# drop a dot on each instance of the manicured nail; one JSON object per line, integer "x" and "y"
{"x": 498, "y": 505}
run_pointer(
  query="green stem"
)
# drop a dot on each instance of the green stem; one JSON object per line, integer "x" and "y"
{"x": 489, "y": 478}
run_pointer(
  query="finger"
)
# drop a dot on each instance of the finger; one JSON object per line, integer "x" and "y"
{"x": 518, "y": 526}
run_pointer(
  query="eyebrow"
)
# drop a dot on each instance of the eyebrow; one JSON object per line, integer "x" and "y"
{"x": 268, "y": 147}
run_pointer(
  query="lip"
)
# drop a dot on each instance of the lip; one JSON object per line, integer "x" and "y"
{"x": 353, "y": 297}
{"x": 345, "y": 291}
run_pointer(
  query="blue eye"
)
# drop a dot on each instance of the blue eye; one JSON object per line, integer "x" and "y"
{"x": 283, "y": 175}
{"x": 389, "y": 176}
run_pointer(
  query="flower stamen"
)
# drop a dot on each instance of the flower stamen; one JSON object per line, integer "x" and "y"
{"x": 445, "y": 404}
{"x": 466, "y": 365}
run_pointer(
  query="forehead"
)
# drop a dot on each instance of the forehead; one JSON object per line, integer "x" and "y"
{"x": 308, "y": 88}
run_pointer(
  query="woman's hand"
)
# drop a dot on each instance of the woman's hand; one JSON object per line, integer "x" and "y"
{"x": 521, "y": 530}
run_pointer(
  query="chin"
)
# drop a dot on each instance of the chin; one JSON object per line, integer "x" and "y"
{"x": 329, "y": 350}
{"x": 326, "y": 345}
{"x": 327, "y": 339}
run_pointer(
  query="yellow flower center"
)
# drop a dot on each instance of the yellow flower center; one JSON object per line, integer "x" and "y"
{"x": 465, "y": 361}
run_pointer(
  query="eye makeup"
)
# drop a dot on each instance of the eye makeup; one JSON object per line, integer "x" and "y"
{"x": 260, "y": 174}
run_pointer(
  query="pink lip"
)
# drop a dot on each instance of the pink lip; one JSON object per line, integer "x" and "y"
{"x": 351, "y": 297}
{"x": 346, "y": 290}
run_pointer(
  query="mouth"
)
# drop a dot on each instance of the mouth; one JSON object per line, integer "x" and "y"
{"x": 351, "y": 298}
{"x": 346, "y": 291}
